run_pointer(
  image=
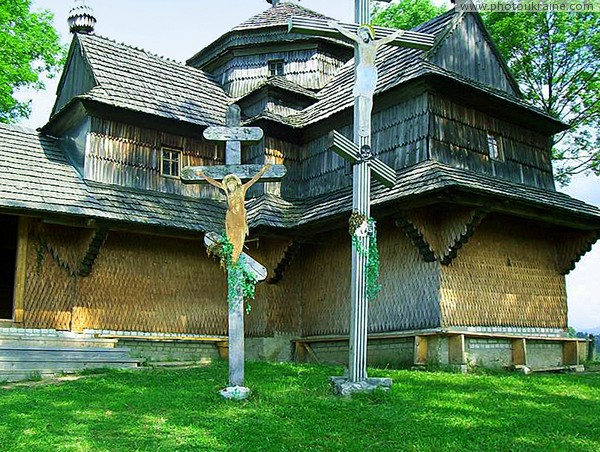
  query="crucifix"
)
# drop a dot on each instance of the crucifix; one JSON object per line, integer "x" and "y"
{"x": 230, "y": 178}
{"x": 367, "y": 41}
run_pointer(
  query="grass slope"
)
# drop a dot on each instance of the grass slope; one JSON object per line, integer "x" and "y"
{"x": 293, "y": 409}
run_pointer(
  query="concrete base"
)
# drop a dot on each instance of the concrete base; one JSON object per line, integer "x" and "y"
{"x": 235, "y": 392}
{"x": 342, "y": 387}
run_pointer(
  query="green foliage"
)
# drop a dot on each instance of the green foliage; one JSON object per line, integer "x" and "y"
{"x": 292, "y": 409}
{"x": 372, "y": 271}
{"x": 406, "y": 14}
{"x": 555, "y": 57}
{"x": 237, "y": 276}
{"x": 29, "y": 46}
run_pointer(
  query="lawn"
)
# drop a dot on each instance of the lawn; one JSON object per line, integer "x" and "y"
{"x": 293, "y": 409}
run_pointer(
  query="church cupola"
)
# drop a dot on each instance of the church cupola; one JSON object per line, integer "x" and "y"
{"x": 81, "y": 18}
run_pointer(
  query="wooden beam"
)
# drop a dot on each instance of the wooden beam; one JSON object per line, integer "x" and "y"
{"x": 192, "y": 174}
{"x": 321, "y": 27}
{"x": 244, "y": 134}
{"x": 349, "y": 151}
{"x": 21, "y": 270}
{"x": 251, "y": 266}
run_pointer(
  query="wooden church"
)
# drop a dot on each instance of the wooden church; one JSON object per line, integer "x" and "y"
{"x": 102, "y": 242}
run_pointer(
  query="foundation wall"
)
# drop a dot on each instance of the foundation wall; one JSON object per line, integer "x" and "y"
{"x": 392, "y": 353}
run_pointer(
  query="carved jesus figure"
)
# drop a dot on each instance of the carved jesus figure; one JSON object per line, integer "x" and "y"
{"x": 236, "y": 221}
{"x": 366, "y": 69}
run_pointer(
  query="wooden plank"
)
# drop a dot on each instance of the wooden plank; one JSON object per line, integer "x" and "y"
{"x": 244, "y": 134}
{"x": 191, "y": 174}
{"x": 21, "y": 270}
{"x": 456, "y": 349}
{"x": 420, "y": 350}
{"x": 254, "y": 268}
{"x": 321, "y": 27}
{"x": 519, "y": 350}
{"x": 570, "y": 354}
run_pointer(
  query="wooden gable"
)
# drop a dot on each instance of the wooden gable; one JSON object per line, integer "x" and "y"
{"x": 77, "y": 77}
{"x": 466, "y": 48}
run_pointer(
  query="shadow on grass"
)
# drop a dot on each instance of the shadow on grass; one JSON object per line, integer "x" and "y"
{"x": 292, "y": 409}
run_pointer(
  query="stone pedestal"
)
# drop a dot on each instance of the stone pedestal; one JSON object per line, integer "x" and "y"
{"x": 235, "y": 392}
{"x": 343, "y": 387}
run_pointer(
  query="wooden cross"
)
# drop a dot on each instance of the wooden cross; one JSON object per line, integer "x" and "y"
{"x": 359, "y": 152}
{"x": 233, "y": 173}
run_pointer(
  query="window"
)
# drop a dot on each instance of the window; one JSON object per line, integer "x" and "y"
{"x": 494, "y": 147}
{"x": 276, "y": 67}
{"x": 170, "y": 162}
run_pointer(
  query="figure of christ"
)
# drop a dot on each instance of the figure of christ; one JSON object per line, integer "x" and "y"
{"x": 236, "y": 221}
{"x": 366, "y": 69}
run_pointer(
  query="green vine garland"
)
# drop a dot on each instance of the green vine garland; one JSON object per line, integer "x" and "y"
{"x": 237, "y": 275}
{"x": 356, "y": 225}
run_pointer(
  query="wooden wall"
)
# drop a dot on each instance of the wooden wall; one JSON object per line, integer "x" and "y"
{"x": 459, "y": 137}
{"x": 138, "y": 283}
{"x": 311, "y": 68}
{"x": 506, "y": 275}
{"x": 399, "y": 139}
{"x": 129, "y": 156}
{"x": 409, "y": 295}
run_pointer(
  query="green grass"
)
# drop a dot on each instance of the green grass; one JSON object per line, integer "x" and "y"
{"x": 293, "y": 409}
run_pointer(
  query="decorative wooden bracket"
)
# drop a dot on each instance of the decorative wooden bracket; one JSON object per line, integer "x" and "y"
{"x": 439, "y": 234}
{"x": 573, "y": 248}
{"x": 87, "y": 263}
{"x": 413, "y": 233}
{"x": 288, "y": 255}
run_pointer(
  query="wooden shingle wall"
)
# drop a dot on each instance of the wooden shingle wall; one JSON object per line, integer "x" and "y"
{"x": 127, "y": 155}
{"x": 408, "y": 298}
{"x": 311, "y": 68}
{"x": 459, "y": 137}
{"x": 399, "y": 139}
{"x": 506, "y": 275}
{"x": 138, "y": 283}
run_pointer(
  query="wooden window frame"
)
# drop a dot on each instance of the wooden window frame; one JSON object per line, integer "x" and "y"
{"x": 275, "y": 65}
{"x": 171, "y": 161}
{"x": 494, "y": 147}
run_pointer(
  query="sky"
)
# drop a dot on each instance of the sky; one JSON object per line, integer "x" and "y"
{"x": 177, "y": 29}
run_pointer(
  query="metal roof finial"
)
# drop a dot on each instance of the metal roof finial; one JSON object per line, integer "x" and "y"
{"x": 81, "y": 18}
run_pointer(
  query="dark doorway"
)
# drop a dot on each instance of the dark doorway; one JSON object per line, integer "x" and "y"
{"x": 8, "y": 259}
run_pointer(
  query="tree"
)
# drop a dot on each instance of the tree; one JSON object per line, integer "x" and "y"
{"x": 555, "y": 57}
{"x": 406, "y": 14}
{"x": 29, "y": 46}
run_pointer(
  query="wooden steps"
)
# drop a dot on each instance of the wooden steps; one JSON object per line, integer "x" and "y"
{"x": 32, "y": 353}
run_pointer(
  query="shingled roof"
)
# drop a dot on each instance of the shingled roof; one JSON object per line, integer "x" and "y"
{"x": 397, "y": 66}
{"x": 422, "y": 179}
{"x": 134, "y": 79}
{"x": 278, "y": 15}
{"x": 35, "y": 177}
{"x": 263, "y": 29}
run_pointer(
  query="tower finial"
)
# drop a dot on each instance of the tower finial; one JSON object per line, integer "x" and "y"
{"x": 273, "y": 2}
{"x": 81, "y": 18}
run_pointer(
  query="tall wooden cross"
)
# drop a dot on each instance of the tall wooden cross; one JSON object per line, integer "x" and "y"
{"x": 233, "y": 173}
{"x": 359, "y": 151}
